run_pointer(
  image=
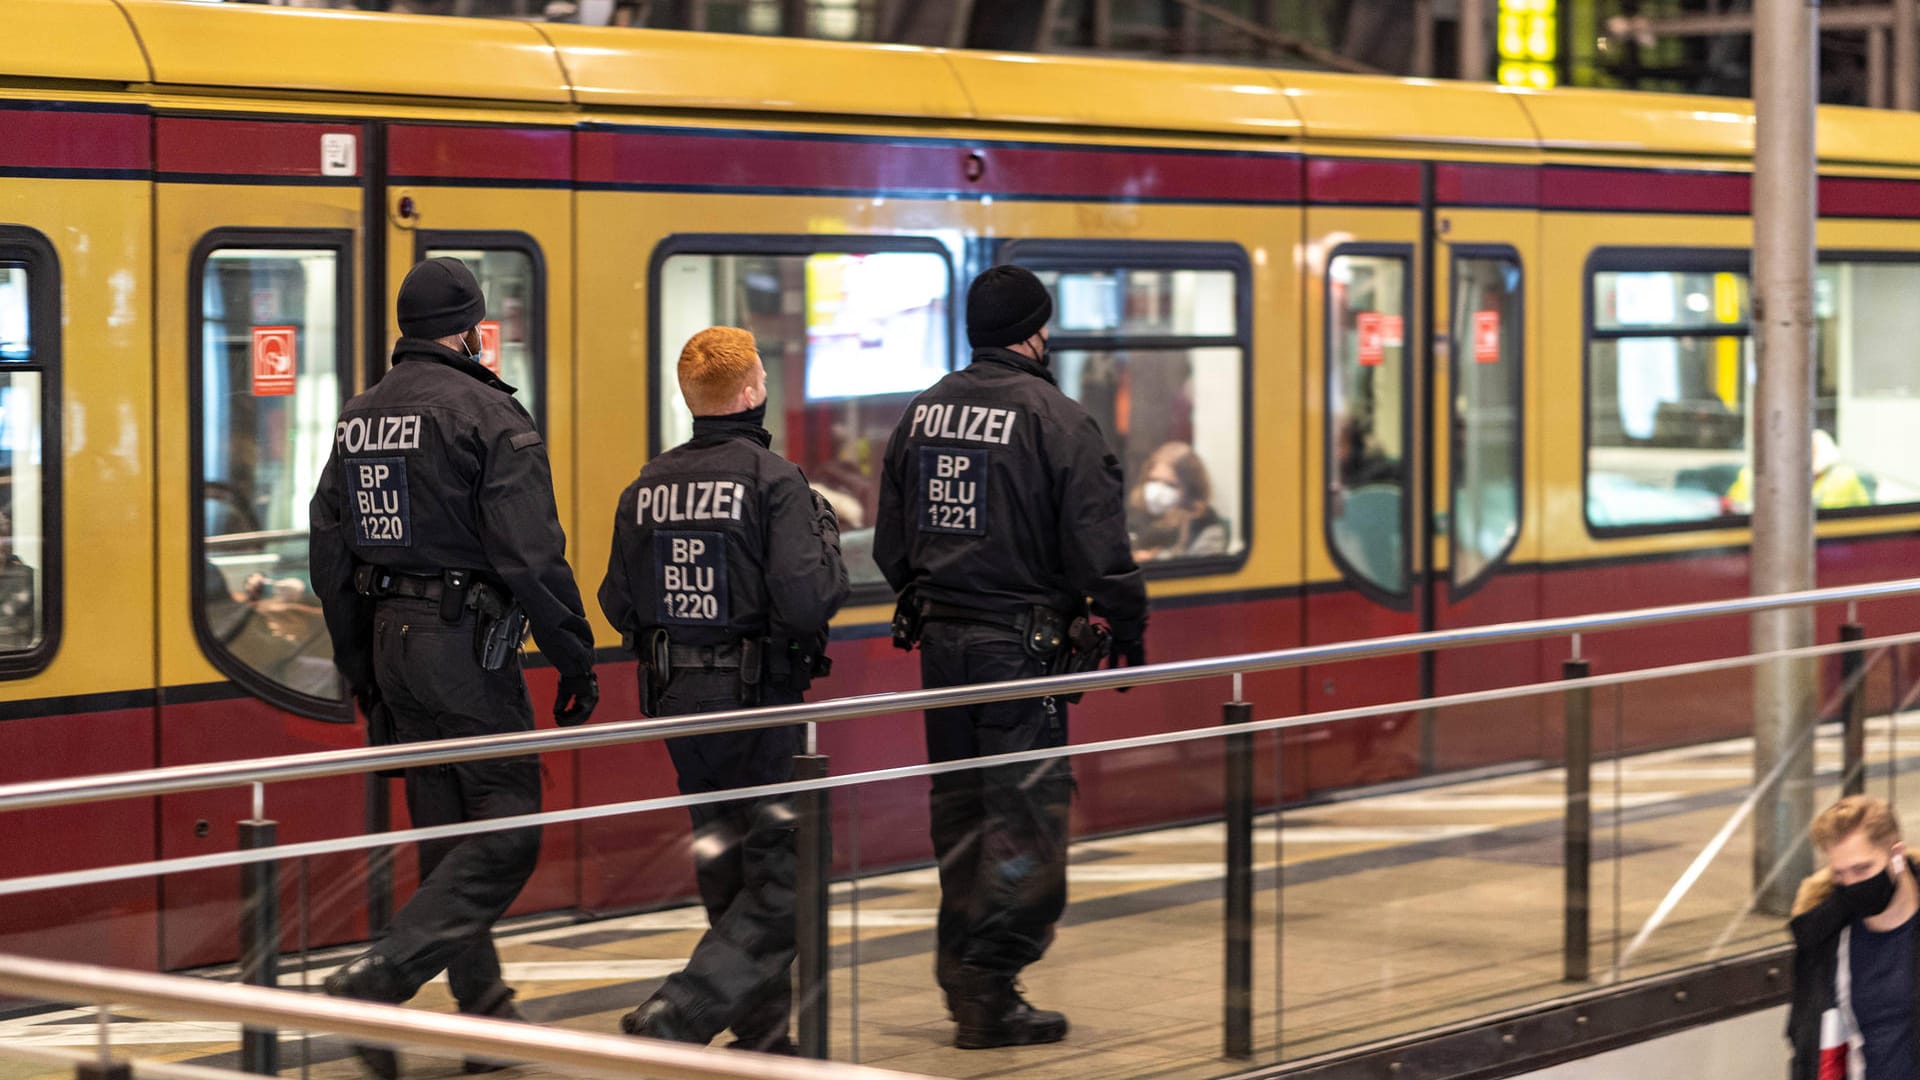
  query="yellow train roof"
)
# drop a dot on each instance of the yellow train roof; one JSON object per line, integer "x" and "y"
{"x": 213, "y": 48}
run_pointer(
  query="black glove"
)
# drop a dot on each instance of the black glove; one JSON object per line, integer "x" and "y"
{"x": 578, "y": 695}
{"x": 1127, "y": 654}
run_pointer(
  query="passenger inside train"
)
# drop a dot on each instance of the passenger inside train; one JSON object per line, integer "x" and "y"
{"x": 1170, "y": 512}
{"x": 19, "y": 627}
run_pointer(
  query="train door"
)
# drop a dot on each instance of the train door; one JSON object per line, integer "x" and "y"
{"x": 1418, "y": 317}
{"x": 1363, "y": 243}
{"x": 76, "y": 613}
{"x": 258, "y": 226}
{"x": 499, "y": 199}
{"x": 1483, "y": 566}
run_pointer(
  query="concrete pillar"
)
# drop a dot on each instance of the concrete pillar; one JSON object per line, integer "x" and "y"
{"x": 1785, "y": 71}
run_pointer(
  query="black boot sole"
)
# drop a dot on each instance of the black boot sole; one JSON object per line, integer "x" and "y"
{"x": 991, "y": 1038}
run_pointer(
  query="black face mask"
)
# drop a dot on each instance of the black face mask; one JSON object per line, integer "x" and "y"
{"x": 1865, "y": 899}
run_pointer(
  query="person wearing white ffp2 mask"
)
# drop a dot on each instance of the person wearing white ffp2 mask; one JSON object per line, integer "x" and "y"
{"x": 1170, "y": 514}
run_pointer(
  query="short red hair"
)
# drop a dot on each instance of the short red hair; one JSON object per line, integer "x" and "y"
{"x": 715, "y": 364}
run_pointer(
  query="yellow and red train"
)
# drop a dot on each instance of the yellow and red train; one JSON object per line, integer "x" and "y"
{"x": 1430, "y": 355}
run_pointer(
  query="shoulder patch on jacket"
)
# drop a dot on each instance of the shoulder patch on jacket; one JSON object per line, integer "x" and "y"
{"x": 526, "y": 439}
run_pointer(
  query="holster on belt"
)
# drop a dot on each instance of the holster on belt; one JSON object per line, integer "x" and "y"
{"x": 752, "y": 671}
{"x": 908, "y": 615}
{"x": 656, "y": 668}
{"x": 1086, "y": 646}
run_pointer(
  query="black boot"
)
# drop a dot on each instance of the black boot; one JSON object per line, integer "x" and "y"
{"x": 946, "y": 972}
{"x": 991, "y": 1012}
{"x": 658, "y": 1018}
{"x": 369, "y": 978}
{"x": 764, "y": 1028}
{"x": 502, "y": 1009}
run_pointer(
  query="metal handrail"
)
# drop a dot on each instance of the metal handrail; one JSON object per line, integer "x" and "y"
{"x": 244, "y": 856}
{"x": 181, "y": 778}
{"x": 55, "y": 980}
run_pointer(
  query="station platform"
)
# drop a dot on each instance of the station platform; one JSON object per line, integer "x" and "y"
{"x": 1377, "y": 915}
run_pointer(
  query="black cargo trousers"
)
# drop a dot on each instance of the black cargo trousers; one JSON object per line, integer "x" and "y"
{"x": 740, "y": 973}
{"x": 437, "y": 690}
{"x": 999, "y": 833}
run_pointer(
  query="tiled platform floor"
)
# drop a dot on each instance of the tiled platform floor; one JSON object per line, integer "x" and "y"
{"x": 1399, "y": 912}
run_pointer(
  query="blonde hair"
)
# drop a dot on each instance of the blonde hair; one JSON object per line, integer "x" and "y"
{"x": 1856, "y": 813}
{"x": 714, "y": 365}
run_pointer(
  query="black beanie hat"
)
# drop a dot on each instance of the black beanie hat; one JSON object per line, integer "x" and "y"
{"x": 1005, "y": 306}
{"x": 440, "y": 297}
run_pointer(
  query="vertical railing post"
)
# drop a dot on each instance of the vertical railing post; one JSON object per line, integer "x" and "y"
{"x": 1238, "y": 1019}
{"x": 813, "y": 849}
{"x": 378, "y": 816}
{"x": 259, "y": 942}
{"x": 1578, "y": 909}
{"x": 1853, "y": 715}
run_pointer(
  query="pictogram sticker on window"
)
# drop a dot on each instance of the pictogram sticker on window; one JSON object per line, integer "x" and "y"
{"x": 274, "y": 357}
{"x": 1486, "y": 337}
{"x": 1372, "y": 350}
{"x": 490, "y": 346}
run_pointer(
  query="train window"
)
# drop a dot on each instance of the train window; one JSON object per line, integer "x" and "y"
{"x": 1669, "y": 355}
{"x": 1487, "y": 355}
{"x": 1867, "y": 392}
{"x": 1369, "y": 414}
{"x": 269, "y": 339}
{"x": 849, "y": 328}
{"x": 1670, "y": 376}
{"x": 513, "y": 337}
{"x": 1153, "y": 340}
{"x": 29, "y": 418}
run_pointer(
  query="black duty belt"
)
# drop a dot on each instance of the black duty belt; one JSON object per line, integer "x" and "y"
{"x": 1017, "y": 622}
{"x": 417, "y": 586}
{"x": 713, "y": 657}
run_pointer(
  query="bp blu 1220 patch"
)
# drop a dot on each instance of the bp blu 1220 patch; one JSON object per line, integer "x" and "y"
{"x": 381, "y": 512}
{"x": 690, "y": 574}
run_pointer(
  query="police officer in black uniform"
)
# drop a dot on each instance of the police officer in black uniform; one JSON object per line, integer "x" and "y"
{"x": 724, "y": 573}
{"x": 435, "y": 545}
{"x": 1001, "y": 517}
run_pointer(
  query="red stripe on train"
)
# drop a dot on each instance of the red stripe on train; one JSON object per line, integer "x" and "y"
{"x": 54, "y": 139}
{"x": 207, "y": 147}
{"x": 699, "y": 161}
{"x": 480, "y": 153}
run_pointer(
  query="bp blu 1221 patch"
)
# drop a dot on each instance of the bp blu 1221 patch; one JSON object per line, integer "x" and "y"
{"x": 953, "y": 490}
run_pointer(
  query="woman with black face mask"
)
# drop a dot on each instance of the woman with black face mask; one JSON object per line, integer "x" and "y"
{"x": 1855, "y": 1011}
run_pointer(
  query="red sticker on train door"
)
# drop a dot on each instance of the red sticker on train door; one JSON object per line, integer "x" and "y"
{"x": 490, "y": 346}
{"x": 273, "y": 361}
{"x": 1393, "y": 331}
{"x": 1372, "y": 351}
{"x": 1486, "y": 337}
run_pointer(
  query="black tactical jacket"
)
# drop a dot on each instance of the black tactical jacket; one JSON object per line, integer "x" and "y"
{"x": 720, "y": 539}
{"x": 436, "y": 467}
{"x": 999, "y": 494}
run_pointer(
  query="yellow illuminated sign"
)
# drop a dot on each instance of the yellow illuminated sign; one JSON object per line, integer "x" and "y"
{"x": 1529, "y": 42}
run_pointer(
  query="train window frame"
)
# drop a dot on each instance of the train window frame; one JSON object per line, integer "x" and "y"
{"x": 1403, "y": 599}
{"x": 341, "y": 243}
{"x": 507, "y": 240}
{"x": 1607, "y": 259}
{"x": 1068, "y": 255}
{"x": 788, "y": 245}
{"x": 1458, "y": 589}
{"x": 33, "y": 252}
